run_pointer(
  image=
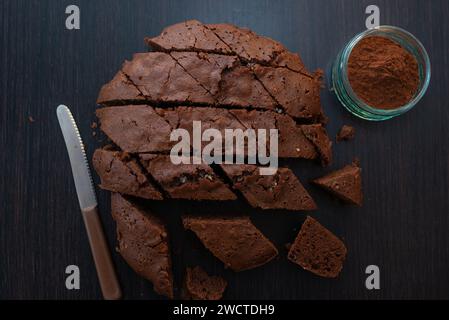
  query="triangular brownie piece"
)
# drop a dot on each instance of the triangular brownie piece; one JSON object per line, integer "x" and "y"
{"x": 120, "y": 173}
{"x": 279, "y": 191}
{"x": 135, "y": 128}
{"x": 190, "y": 35}
{"x": 345, "y": 183}
{"x": 186, "y": 181}
{"x": 198, "y": 285}
{"x": 235, "y": 241}
{"x": 317, "y": 250}
{"x": 316, "y": 133}
{"x": 119, "y": 89}
{"x": 143, "y": 243}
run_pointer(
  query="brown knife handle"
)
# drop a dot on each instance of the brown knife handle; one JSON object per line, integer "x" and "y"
{"x": 102, "y": 257}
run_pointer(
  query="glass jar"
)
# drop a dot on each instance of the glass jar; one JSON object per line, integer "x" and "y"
{"x": 349, "y": 99}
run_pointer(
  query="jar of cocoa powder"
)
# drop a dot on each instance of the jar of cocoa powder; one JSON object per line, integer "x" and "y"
{"x": 381, "y": 73}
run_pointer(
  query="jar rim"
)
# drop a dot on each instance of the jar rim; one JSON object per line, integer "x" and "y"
{"x": 410, "y": 43}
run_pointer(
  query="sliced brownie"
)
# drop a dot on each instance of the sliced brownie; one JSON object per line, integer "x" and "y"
{"x": 190, "y": 35}
{"x": 186, "y": 181}
{"x": 317, "y": 135}
{"x": 119, "y": 173}
{"x": 292, "y": 142}
{"x": 229, "y": 82}
{"x": 317, "y": 250}
{"x": 345, "y": 183}
{"x": 297, "y": 93}
{"x": 162, "y": 80}
{"x": 143, "y": 243}
{"x": 135, "y": 128}
{"x": 235, "y": 241}
{"x": 198, "y": 285}
{"x": 119, "y": 89}
{"x": 279, "y": 191}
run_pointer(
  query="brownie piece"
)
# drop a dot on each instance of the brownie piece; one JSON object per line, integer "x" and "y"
{"x": 233, "y": 240}
{"x": 317, "y": 250}
{"x": 190, "y": 35}
{"x": 119, "y": 89}
{"x": 224, "y": 78}
{"x": 317, "y": 134}
{"x": 143, "y": 243}
{"x": 346, "y": 133}
{"x": 198, "y": 285}
{"x": 292, "y": 142}
{"x": 345, "y": 183}
{"x": 162, "y": 80}
{"x": 298, "y": 94}
{"x": 186, "y": 181}
{"x": 279, "y": 191}
{"x": 119, "y": 173}
{"x": 135, "y": 128}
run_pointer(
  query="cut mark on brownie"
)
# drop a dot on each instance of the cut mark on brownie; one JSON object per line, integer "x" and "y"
{"x": 151, "y": 179}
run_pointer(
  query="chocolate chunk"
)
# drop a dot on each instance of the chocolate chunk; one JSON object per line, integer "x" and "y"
{"x": 291, "y": 144}
{"x": 298, "y": 94}
{"x": 345, "y": 183}
{"x": 346, "y": 133}
{"x": 161, "y": 79}
{"x": 317, "y": 250}
{"x": 235, "y": 241}
{"x": 186, "y": 181}
{"x": 143, "y": 243}
{"x": 279, "y": 191}
{"x": 198, "y": 285}
{"x": 119, "y": 173}
{"x": 119, "y": 89}
{"x": 190, "y": 35}
{"x": 317, "y": 134}
{"x": 135, "y": 128}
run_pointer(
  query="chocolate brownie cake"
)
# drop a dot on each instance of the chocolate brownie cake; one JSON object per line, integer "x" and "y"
{"x": 198, "y": 285}
{"x": 345, "y": 183}
{"x": 143, "y": 243}
{"x": 317, "y": 135}
{"x": 135, "y": 128}
{"x": 235, "y": 241}
{"x": 186, "y": 181}
{"x": 317, "y": 250}
{"x": 279, "y": 191}
{"x": 120, "y": 173}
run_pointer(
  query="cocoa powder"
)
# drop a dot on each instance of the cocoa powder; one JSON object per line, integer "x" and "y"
{"x": 382, "y": 73}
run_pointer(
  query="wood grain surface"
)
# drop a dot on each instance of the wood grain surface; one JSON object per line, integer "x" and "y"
{"x": 402, "y": 227}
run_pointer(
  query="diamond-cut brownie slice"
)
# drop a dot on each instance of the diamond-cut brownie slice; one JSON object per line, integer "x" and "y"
{"x": 135, "y": 128}
{"x": 235, "y": 241}
{"x": 345, "y": 183}
{"x": 186, "y": 181}
{"x": 317, "y": 250}
{"x": 291, "y": 144}
{"x": 190, "y": 35}
{"x": 143, "y": 243}
{"x": 198, "y": 285}
{"x": 317, "y": 135}
{"x": 119, "y": 173}
{"x": 279, "y": 191}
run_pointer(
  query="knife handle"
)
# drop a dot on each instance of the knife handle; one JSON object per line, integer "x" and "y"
{"x": 100, "y": 251}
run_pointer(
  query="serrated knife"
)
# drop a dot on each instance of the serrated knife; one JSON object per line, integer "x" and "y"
{"x": 88, "y": 203}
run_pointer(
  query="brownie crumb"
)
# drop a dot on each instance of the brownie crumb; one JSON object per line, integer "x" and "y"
{"x": 346, "y": 133}
{"x": 93, "y": 125}
{"x": 31, "y": 119}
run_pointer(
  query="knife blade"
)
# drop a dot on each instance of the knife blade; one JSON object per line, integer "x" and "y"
{"x": 88, "y": 204}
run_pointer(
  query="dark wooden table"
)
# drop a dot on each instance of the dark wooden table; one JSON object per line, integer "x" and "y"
{"x": 402, "y": 227}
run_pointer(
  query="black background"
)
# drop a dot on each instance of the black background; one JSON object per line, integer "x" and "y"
{"x": 402, "y": 227}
